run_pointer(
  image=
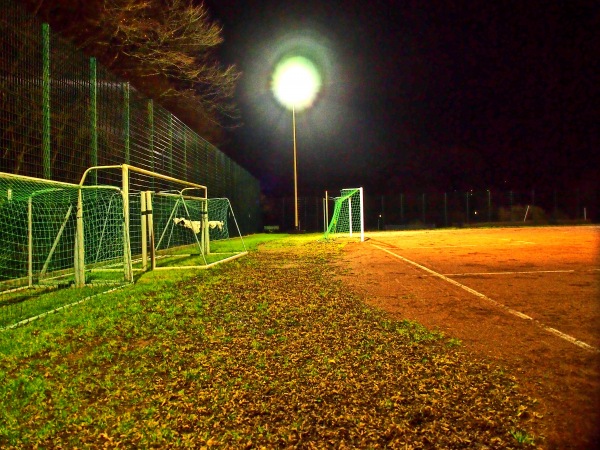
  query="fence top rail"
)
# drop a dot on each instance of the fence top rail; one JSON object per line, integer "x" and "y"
{"x": 130, "y": 168}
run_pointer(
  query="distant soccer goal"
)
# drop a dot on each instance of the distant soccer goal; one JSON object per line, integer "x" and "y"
{"x": 348, "y": 215}
{"x": 40, "y": 221}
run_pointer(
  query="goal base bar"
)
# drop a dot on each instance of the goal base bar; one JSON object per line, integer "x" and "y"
{"x": 207, "y": 266}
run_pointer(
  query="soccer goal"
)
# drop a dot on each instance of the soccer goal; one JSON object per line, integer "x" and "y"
{"x": 193, "y": 231}
{"x": 39, "y": 222}
{"x": 170, "y": 223}
{"x": 348, "y": 215}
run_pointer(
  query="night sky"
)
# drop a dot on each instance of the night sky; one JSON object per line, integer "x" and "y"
{"x": 420, "y": 95}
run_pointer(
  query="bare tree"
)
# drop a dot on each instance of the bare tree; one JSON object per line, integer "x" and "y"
{"x": 176, "y": 40}
{"x": 167, "y": 48}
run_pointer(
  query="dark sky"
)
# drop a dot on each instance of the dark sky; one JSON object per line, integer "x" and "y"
{"x": 420, "y": 95}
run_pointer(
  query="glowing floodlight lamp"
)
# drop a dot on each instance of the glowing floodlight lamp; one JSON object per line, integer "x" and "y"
{"x": 296, "y": 82}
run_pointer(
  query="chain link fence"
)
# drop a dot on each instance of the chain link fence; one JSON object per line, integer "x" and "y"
{"x": 61, "y": 112}
{"x": 446, "y": 209}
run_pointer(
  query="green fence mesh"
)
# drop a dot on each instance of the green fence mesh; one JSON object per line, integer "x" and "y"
{"x": 61, "y": 112}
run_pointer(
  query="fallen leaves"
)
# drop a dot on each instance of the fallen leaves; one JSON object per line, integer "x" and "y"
{"x": 271, "y": 355}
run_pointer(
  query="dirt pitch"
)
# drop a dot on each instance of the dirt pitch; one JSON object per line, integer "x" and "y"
{"x": 525, "y": 298}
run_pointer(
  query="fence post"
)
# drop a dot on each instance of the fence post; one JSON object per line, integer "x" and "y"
{"x": 47, "y": 170}
{"x": 151, "y": 138}
{"x": 402, "y": 208}
{"x": 467, "y": 207}
{"x": 489, "y": 205}
{"x": 446, "y": 208}
{"x": 170, "y": 148}
{"x": 317, "y": 213}
{"x": 126, "y": 122}
{"x": 424, "y": 221}
{"x": 185, "y": 168}
{"x": 93, "y": 120}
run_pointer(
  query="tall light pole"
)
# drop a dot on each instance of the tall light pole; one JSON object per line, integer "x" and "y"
{"x": 296, "y": 82}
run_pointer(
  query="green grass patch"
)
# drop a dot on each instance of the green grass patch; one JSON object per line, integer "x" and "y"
{"x": 268, "y": 350}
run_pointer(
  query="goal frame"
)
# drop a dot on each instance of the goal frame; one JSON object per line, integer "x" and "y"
{"x": 43, "y": 276}
{"x": 339, "y": 202}
{"x": 186, "y": 190}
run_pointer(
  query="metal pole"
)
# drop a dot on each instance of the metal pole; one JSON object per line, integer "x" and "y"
{"x": 151, "y": 138}
{"x": 324, "y": 218}
{"x": 326, "y": 211}
{"x": 295, "y": 171}
{"x": 30, "y": 240}
{"x": 170, "y": 145}
{"x": 46, "y": 101}
{"x": 93, "y": 118}
{"x": 468, "y": 207}
{"x": 150, "y": 223}
{"x": 350, "y": 213}
{"x": 446, "y": 208}
{"x": 128, "y": 271}
{"x": 362, "y": 216}
{"x": 79, "y": 243}
{"x": 126, "y": 122}
{"x": 401, "y": 208}
{"x": 185, "y": 144}
{"x": 144, "y": 225}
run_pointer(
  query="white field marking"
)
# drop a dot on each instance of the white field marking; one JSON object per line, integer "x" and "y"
{"x": 466, "y": 274}
{"x": 434, "y": 247}
{"x": 516, "y": 313}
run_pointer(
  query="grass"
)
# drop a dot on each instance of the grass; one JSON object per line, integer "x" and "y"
{"x": 268, "y": 350}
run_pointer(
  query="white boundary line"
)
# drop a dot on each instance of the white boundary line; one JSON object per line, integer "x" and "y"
{"x": 466, "y": 274}
{"x": 53, "y": 311}
{"x": 435, "y": 247}
{"x": 516, "y": 313}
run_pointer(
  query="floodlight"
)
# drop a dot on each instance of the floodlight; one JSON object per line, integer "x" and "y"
{"x": 296, "y": 82}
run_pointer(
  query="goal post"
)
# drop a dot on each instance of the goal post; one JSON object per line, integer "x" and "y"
{"x": 348, "y": 214}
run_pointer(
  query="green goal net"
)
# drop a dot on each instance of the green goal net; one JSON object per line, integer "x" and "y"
{"x": 225, "y": 236}
{"x": 348, "y": 215}
{"x": 39, "y": 226}
{"x": 193, "y": 231}
{"x": 170, "y": 223}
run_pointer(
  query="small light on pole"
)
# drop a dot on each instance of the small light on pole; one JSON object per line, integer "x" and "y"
{"x": 296, "y": 82}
